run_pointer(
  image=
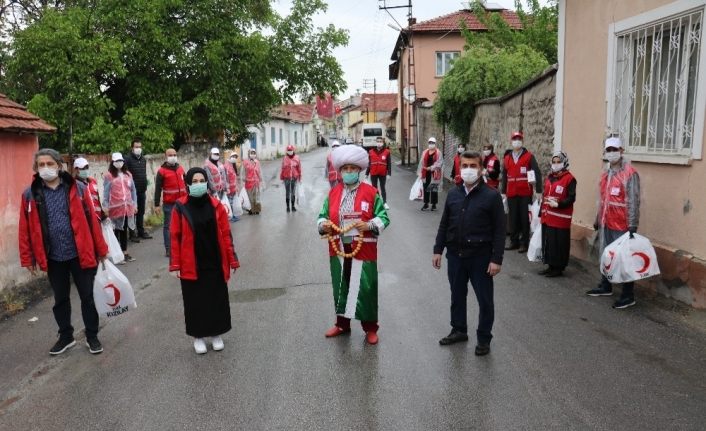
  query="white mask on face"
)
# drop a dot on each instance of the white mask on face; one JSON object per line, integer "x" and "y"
{"x": 232, "y": 160}
{"x": 516, "y": 144}
{"x": 118, "y": 165}
{"x": 378, "y": 145}
{"x": 48, "y": 174}
{"x": 290, "y": 153}
{"x": 252, "y": 156}
{"x": 432, "y": 146}
{"x": 612, "y": 156}
{"x": 172, "y": 160}
{"x": 486, "y": 153}
{"x": 470, "y": 175}
{"x": 137, "y": 151}
{"x": 215, "y": 156}
{"x": 556, "y": 167}
{"x": 461, "y": 150}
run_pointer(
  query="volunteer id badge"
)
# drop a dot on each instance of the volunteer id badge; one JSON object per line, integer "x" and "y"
{"x": 349, "y": 219}
{"x": 615, "y": 191}
{"x": 559, "y": 189}
{"x": 523, "y": 169}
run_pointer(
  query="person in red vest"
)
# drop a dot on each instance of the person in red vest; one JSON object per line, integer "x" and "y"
{"x": 556, "y": 212}
{"x": 456, "y": 169}
{"x": 81, "y": 174}
{"x": 431, "y": 169}
{"x": 380, "y": 167}
{"x": 334, "y": 177}
{"x": 203, "y": 257}
{"x": 520, "y": 173}
{"x": 217, "y": 179}
{"x": 291, "y": 174}
{"x": 169, "y": 186}
{"x": 59, "y": 234}
{"x": 231, "y": 169}
{"x": 253, "y": 181}
{"x": 618, "y": 212}
{"x": 491, "y": 166}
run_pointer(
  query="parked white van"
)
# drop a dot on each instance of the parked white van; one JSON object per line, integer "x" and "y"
{"x": 371, "y": 131}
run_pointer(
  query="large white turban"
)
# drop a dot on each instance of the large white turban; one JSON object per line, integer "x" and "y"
{"x": 349, "y": 155}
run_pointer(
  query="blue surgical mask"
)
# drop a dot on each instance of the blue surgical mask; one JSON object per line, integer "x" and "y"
{"x": 198, "y": 189}
{"x": 83, "y": 174}
{"x": 350, "y": 177}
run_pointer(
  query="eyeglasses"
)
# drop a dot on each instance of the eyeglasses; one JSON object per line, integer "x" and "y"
{"x": 611, "y": 149}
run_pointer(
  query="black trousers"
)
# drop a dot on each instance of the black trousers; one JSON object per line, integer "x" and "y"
{"x": 59, "y": 278}
{"x": 290, "y": 187}
{"x": 121, "y": 234}
{"x": 140, "y": 217}
{"x": 431, "y": 191}
{"x": 519, "y": 219}
{"x": 375, "y": 179}
{"x": 474, "y": 269}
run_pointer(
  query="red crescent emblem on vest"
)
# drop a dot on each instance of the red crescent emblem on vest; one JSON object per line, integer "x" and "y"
{"x": 611, "y": 254}
{"x": 645, "y": 262}
{"x": 116, "y": 294}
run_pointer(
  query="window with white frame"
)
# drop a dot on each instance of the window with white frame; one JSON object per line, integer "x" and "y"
{"x": 444, "y": 61}
{"x": 273, "y": 137}
{"x": 654, "y": 106}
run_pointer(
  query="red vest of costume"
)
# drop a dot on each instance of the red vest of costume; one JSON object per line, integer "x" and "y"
{"x": 217, "y": 174}
{"x": 435, "y": 175}
{"x": 333, "y": 174}
{"x": 559, "y": 218}
{"x": 364, "y": 204}
{"x": 378, "y": 161}
{"x": 457, "y": 170}
{"x": 183, "y": 255}
{"x": 120, "y": 202}
{"x": 614, "y": 206}
{"x": 291, "y": 168}
{"x": 232, "y": 178}
{"x": 173, "y": 186}
{"x": 252, "y": 173}
{"x": 87, "y": 233}
{"x": 517, "y": 184}
{"x": 492, "y": 164}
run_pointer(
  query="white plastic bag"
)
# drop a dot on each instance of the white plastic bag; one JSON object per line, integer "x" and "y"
{"x": 535, "y": 221}
{"x": 112, "y": 292}
{"x": 506, "y": 207}
{"x": 629, "y": 259}
{"x": 417, "y": 192}
{"x": 534, "y": 250}
{"x": 226, "y": 204}
{"x": 237, "y": 206}
{"x": 115, "y": 253}
{"x": 245, "y": 200}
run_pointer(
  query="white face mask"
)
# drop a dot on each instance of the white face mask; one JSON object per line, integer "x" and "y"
{"x": 232, "y": 160}
{"x": 137, "y": 151}
{"x": 172, "y": 160}
{"x": 516, "y": 144}
{"x": 48, "y": 174}
{"x": 252, "y": 156}
{"x": 290, "y": 153}
{"x": 379, "y": 145}
{"x": 215, "y": 156}
{"x": 118, "y": 165}
{"x": 486, "y": 153}
{"x": 613, "y": 156}
{"x": 556, "y": 167}
{"x": 469, "y": 175}
{"x": 432, "y": 146}
{"x": 461, "y": 150}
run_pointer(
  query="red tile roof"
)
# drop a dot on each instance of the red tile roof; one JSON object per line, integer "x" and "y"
{"x": 450, "y": 22}
{"x": 384, "y": 102}
{"x": 15, "y": 118}
{"x": 298, "y": 113}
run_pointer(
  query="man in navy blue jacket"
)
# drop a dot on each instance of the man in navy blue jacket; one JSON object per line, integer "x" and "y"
{"x": 472, "y": 229}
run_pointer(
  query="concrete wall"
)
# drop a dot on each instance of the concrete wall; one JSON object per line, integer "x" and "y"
{"x": 674, "y": 204}
{"x": 16, "y": 167}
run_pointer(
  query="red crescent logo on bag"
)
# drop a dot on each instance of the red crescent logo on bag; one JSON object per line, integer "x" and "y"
{"x": 645, "y": 262}
{"x": 611, "y": 254}
{"x": 116, "y": 294}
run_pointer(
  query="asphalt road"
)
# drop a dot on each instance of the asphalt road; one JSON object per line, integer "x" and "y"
{"x": 559, "y": 360}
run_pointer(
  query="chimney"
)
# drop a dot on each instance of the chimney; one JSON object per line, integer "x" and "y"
{"x": 412, "y": 21}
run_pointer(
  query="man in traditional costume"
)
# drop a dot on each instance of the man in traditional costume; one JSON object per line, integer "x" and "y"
{"x": 352, "y": 218}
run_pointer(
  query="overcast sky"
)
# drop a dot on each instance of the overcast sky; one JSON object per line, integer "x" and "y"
{"x": 371, "y": 40}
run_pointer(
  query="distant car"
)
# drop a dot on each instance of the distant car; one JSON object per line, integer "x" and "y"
{"x": 349, "y": 141}
{"x": 372, "y": 131}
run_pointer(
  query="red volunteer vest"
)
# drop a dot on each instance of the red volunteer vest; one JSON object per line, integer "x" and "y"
{"x": 614, "y": 206}
{"x": 219, "y": 183}
{"x": 378, "y": 162}
{"x": 364, "y": 204}
{"x": 517, "y": 184}
{"x": 173, "y": 186}
{"x": 492, "y": 164}
{"x": 435, "y": 175}
{"x": 559, "y": 218}
{"x": 333, "y": 174}
{"x": 457, "y": 170}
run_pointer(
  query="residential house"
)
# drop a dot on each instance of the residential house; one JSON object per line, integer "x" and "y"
{"x": 18, "y": 140}
{"x": 372, "y": 108}
{"x": 632, "y": 68}
{"x": 423, "y": 54}
{"x": 293, "y": 124}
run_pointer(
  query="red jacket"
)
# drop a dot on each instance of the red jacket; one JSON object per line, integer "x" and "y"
{"x": 456, "y": 170}
{"x": 379, "y": 161}
{"x": 33, "y": 225}
{"x": 232, "y": 178}
{"x": 333, "y": 174}
{"x": 559, "y": 218}
{"x": 492, "y": 165}
{"x": 183, "y": 255}
{"x": 517, "y": 184}
{"x": 171, "y": 183}
{"x": 291, "y": 168}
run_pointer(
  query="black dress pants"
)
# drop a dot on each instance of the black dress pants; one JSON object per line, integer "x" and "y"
{"x": 519, "y": 227}
{"x": 59, "y": 278}
{"x": 461, "y": 270}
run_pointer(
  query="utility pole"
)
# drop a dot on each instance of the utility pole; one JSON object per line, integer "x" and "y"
{"x": 367, "y": 83}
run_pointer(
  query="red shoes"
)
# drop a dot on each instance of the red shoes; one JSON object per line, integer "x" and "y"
{"x": 335, "y": 331}
{"x": 371, "y": 337}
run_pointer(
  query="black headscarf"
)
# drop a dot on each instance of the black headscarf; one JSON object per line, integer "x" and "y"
{"x": 193, "y": 171}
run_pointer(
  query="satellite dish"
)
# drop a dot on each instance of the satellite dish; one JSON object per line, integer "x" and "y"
{"x": 409, "y": 94}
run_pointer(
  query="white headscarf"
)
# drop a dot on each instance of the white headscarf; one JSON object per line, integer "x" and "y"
{"x": 349, "y": 155}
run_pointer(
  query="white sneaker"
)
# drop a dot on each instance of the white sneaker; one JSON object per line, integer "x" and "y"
{"x": 217, "y": 343}
{"x": 387, "y": 207}
{"x": 200, "y": 346}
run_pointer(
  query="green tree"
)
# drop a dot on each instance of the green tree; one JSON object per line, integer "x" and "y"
{"x": 167, "y": 70}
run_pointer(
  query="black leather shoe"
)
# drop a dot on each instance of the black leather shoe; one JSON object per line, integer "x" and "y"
{"x": 454, "y": 337}
{"x": 146, "y": 236}
{"x": 512, "y": 247}
{"x": 545, "y": 271}
{"x": 482, "y": 349}
{"x": 554, "y": 273}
